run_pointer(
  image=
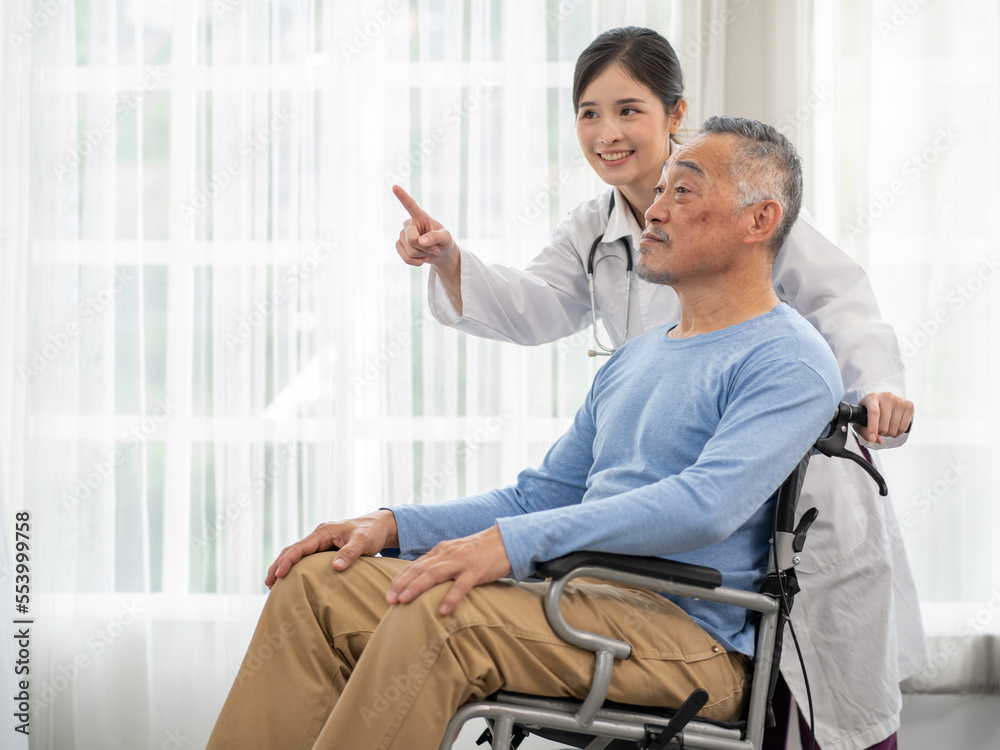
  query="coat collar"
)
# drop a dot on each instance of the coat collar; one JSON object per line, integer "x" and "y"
{"x": 621, "y": 223}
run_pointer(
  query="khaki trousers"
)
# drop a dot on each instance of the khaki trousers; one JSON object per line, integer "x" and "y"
{"x": 331, "y": 665}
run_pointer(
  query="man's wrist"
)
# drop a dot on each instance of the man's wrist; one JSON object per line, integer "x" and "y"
{"x": 388, "y": 518}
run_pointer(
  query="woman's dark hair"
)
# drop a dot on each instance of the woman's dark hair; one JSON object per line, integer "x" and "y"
{"x": 646, "y": 56}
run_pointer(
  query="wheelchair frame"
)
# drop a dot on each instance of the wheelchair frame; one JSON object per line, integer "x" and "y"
{"x": 600, "y": 726}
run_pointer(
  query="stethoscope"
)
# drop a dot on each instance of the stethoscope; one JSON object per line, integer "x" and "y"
{"x": 591, "y": 265}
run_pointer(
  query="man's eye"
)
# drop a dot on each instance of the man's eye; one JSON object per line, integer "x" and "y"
{"x": 658, "y": 190}
{"x": 680, "y": 189}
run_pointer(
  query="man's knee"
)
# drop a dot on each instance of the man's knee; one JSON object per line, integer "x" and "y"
{"x": 367, "y": 579}
{"x": 309, "y": 572}
{"x": 318, "y": 562}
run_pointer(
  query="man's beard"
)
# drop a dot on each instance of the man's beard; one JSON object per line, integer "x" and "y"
{"x": 648, "y": 274}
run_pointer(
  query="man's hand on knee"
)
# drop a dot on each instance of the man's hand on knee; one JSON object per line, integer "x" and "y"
{"x": 469, "y": 561}
{"x": 366, "y": 535}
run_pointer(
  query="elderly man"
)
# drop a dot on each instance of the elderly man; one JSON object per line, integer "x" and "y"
{"x": 685, "y": 435}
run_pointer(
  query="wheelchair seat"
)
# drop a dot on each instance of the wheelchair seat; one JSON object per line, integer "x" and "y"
{"x": 598, "y": 724}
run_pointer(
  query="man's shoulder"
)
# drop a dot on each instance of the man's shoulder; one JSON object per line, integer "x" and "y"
{"x": 788, "y": 323}
{"x": 787, "y": 336}
{"x": 779, "y": 335}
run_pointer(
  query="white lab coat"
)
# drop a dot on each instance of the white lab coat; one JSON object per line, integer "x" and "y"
{"x": 858, "y": 617}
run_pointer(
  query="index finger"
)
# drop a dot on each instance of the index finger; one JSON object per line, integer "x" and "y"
{"x": 874, "y": 415}
{"x": 291, "y": 555}
{"x": 280, "y": 567}
{"x": 402, "y": 581}
{"x": 906, "y": 422}
{"x": 456, "y": 593}
{"x": 415, "y": 211}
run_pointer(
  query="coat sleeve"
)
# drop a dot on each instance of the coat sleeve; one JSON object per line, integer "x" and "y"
{"x": 833, "y": 293}
{"x": 545, "y": 302}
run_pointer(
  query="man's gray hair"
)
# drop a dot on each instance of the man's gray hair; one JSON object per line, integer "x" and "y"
{"x": 765, "y": 166}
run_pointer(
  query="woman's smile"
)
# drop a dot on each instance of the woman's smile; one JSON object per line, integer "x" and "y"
{"x": 615, "y": 157}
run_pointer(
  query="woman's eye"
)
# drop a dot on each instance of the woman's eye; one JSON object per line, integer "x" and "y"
{"x": 588, "y": 114}
{"x": 680, "y": 189}
{"x": 658, "y": 190}
{"x": 629, "y": 111}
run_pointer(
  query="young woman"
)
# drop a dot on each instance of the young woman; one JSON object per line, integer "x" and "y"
{"x": 857, "y": 617}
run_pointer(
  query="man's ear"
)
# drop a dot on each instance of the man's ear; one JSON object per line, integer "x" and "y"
{"x": 763, "y": 219}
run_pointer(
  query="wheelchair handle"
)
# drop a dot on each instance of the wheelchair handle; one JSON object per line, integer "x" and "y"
{"x": 834, "y": 443}
{"x": 854, "y": 413}
{"x": 858, "y": 415}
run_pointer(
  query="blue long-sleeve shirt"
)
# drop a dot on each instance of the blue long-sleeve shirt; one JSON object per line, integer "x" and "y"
{"x": 676, "y": 452}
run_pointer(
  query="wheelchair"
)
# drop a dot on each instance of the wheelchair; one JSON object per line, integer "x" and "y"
{"x": 597, "y": 724}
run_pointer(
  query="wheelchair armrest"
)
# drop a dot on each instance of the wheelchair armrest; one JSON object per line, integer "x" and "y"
{"x": 653, "y": 567}
{"x": 605, "y": 648}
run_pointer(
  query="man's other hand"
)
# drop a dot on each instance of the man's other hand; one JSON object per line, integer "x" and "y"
{"x": 889, "y": 415}
{"x": 367, "y": 535}
{"x": 469, "y": 561}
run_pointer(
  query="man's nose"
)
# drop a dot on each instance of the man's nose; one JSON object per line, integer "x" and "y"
{"x": 658, "y": 212}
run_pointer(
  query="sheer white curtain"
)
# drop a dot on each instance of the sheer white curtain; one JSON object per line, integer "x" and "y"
{"x": 209, "y": 344}
{"x": 908, "y": 182}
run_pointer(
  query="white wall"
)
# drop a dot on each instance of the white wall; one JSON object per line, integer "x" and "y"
{"x": 945, "y": 722}
{"x": 950, "y": 722}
